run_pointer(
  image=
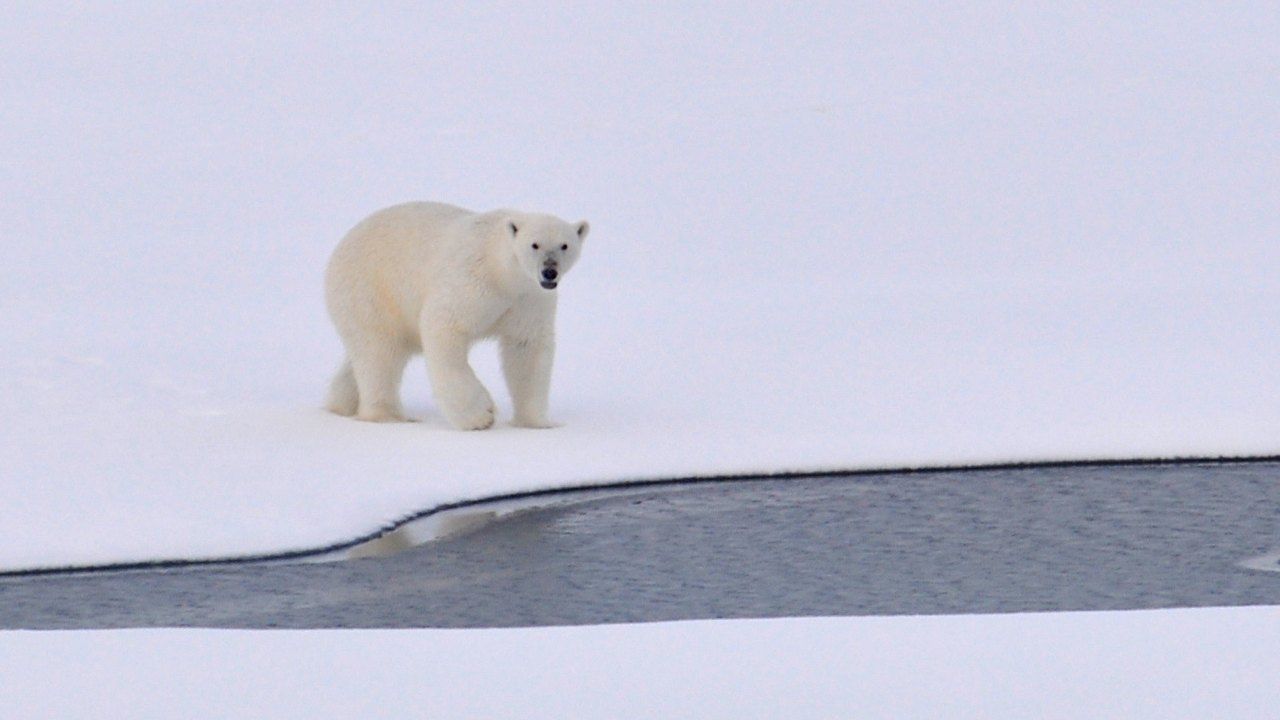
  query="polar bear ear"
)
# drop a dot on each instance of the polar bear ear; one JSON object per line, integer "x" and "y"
{"x": 583, "y": 228}
{"x": 511, "y": 228}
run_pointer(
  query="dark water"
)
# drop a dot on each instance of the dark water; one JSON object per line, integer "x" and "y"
{"x": 1081, "y": 538}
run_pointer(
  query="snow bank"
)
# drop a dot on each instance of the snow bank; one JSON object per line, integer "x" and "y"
{"x": 833, "y": 238}
{"x": 1160, "y": 665}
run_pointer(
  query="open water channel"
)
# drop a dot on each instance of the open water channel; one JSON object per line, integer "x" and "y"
{"x": 985, "y": 541}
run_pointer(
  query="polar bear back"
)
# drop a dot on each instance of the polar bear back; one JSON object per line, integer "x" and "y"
{"x": 397, "y": 260}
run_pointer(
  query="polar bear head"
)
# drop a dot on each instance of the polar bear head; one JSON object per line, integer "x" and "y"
{"x": 545, "y": 246}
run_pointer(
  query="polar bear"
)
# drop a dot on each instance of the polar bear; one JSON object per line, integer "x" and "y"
{"x": 434, "y": 279}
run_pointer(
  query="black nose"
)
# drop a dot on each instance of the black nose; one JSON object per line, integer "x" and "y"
{"x": 549, "y": 274}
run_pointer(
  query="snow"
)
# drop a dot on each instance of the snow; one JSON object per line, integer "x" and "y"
{"x": 1160, "y": 665}
{"x": 842, "y": 237}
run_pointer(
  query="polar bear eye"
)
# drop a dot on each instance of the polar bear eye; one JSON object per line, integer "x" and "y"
{"x": 535, "y": 246}
{"x": 564, "y": 247}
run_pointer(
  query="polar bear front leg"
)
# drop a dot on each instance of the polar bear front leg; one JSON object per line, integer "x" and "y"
{"x": 462, "y": 398}
{"x": 526, "y": 363}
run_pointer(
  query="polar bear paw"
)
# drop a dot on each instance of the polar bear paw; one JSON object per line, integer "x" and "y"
{"x": 535, "y": 423}
{"x": 381, "y": 414}
{"x": 475, "y": 415}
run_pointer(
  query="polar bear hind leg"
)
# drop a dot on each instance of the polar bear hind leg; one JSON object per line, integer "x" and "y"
{"x": 377, "y": 370}
{"x": 344, "y": 399}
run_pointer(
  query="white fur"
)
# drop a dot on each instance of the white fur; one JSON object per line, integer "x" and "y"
{"x": 433, "y": 279}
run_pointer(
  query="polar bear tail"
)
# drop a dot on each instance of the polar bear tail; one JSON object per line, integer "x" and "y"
{"x": 344, "y": 398}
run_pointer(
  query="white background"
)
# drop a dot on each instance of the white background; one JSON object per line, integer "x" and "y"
{"x": 1163, "y": 665}
{"x": 832, "y": 236}
{"x": 846, "y": 236}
